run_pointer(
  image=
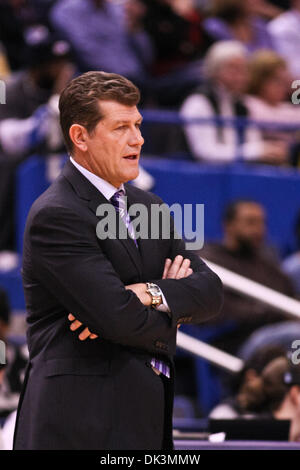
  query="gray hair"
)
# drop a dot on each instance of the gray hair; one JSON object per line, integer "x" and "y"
{"x": 220, "y": 53}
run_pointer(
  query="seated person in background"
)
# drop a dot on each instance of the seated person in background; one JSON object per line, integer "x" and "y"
{"x": 48, "y": 71}
{"x": 177, "y": 34}
{"x": 269, "y": 101}
{"x": 270, "y": 392}
{"x": 243, "y": 251}
{"x": 103, "y": 38}
{"x": 233, "y": 19}
{"x": 1, "y": 379}
{"x": 291, "y": 265}
{"x": 226, "y": 73}
{"x": 4, "y": 66}
{"x": 275, "y": 393}
{"x": 230, "y": 408}
{"x": 285, "y": 33}
{"x": 29, "y": 119}
{"x": 16, "y": 356}
{"x": 11, "y": 33}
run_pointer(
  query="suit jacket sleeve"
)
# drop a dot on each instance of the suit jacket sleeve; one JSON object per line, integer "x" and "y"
{"x": 196, "y": 298}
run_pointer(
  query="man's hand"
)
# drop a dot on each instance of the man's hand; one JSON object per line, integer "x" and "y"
{"x": 77, "y": 324}
{"x": 179, "y": 269}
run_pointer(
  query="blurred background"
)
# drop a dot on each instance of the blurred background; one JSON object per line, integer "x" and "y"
{"x": 220, "y": 82}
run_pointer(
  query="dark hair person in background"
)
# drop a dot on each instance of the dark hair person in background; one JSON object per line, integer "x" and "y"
{"x": 244, "y": 251}
{"x": 275, "y": 393}
{"x": 230, "y": 408}
{"x": 111, "y": 388}
{"x": 233, "y": 19}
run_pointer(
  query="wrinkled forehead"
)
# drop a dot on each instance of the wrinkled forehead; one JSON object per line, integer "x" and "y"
{"x": 113, "y": 111}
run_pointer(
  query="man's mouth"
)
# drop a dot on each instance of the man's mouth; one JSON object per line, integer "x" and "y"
{"x": 133, "y": 156}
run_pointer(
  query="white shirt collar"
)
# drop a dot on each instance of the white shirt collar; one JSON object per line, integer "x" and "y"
{"x": 107, "y": 189}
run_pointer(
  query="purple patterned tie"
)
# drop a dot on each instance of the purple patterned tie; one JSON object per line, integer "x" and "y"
{"x": 119, "y": 202}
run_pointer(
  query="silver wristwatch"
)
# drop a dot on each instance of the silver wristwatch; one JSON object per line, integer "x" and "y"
{"x": 155, "y": 293}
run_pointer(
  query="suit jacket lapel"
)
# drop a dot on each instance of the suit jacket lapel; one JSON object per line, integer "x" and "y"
{"x": 87, "y": 191}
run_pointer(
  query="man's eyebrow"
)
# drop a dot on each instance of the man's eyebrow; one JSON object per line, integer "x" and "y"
{"x": 127, "y": 121}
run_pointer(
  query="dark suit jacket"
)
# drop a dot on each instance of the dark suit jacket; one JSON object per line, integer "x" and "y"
{"x": 100, "y": 394}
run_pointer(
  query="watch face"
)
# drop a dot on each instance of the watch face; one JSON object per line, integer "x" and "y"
{"x": 155, "y": 290}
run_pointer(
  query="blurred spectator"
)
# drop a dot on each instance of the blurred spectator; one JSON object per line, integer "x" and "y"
{"x": 269, "y": 89}
{"x": 103, "y": 38}
{"x": 4, "y": 67}
{"x": 230, "y": 408}
{"x": 4, "y": 315}
{"x": 275, "y": 393}
{"x": 285, "y": 32}
{"x": 179, "y": 42}
{"x": 1, "y": 379}
{"x": 281, "y": 4}
{"x": 226, "y": 73}
{"x": 15, "y": 17}
{"x": 233, "y": 19}
{"x": 269, "y": 8}
{"x": 11, "y": 34}
{"x": 243, "y": 251}
{"x": 16, "y": 356}
{"x": 29, "y": 119}
{"x": 177, "y": 34}
{"x": 48, "y": 71}
{"x": 291, "y": 265}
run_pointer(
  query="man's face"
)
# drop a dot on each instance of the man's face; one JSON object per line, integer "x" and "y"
{"x": 248, "y": 227}
{"x": 114, "y": 146}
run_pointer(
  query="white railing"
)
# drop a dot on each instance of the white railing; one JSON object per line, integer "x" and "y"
{"x": 208, "y": 352}
{"x": 256, "y": 291}
{"x": 246, "y": 287}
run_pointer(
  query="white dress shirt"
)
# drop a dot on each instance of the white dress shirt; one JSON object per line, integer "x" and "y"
{"x": 108, "y": 190}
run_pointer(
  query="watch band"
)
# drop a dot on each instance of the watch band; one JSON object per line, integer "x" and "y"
{"x": 155, "y": 293}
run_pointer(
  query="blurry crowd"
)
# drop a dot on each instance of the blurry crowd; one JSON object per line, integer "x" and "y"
{"x": 227, "y": 68}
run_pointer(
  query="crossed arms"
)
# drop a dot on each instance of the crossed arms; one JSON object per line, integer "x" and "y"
{"x": 68, "y": 261}
{"x": 177, "y": 269}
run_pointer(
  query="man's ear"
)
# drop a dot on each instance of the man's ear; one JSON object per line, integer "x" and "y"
{"x": 78, "y": 134}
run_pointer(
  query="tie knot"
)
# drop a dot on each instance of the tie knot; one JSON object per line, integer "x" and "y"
{"x": 117, "y": 197}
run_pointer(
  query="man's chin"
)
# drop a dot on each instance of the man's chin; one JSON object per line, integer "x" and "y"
{"x": 133, "y": 175}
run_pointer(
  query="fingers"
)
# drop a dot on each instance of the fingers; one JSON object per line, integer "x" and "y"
{"x": 93, "y": 336}
{"x": 174, "y": 268}
{"x": 182, "y": 272}
{"x": 179, "y": 269}
{"x": 168, "y": 263}
{"x": 76, "y": 324}
{"x": 85, "y": 334}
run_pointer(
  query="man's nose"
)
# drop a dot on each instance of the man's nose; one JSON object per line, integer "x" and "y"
{"x": 136, "y": 138}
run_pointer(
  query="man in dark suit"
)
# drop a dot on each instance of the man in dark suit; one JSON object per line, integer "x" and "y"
{"x": 113, "y": 387}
